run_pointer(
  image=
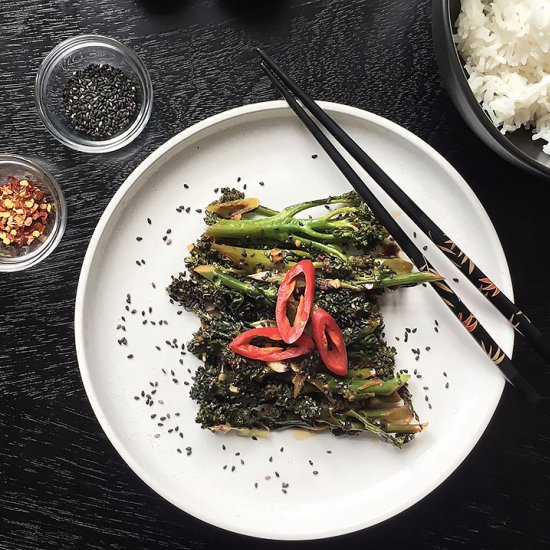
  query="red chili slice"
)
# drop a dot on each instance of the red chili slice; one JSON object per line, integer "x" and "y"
{"x": 243, "y": 345}
{"x": 330, "y": 342}
{"x": 291, "y": 333}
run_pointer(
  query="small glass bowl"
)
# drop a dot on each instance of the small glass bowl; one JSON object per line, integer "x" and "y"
{"x": 77, "y": 53}
{"x": 15, "y": 257}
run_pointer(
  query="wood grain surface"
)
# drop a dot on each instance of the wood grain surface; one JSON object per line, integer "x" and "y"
{"x": 62, "y": 484}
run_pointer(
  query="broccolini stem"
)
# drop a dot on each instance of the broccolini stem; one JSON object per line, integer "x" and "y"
{"x": 357, "y": 387}
{"x": 300, "y": 207}
{"x": 265, "y": 211}
{"x": 357, "y": 285}
{"x": 390, "y": 414}
{"x": 220, "y": 276}
{"x": 338, "y": 211}
{"x": 330, "y": 249}
{"x": 280, "y": 225}
{"x": 399, "y": 428}
{"x": 250, "y": 259}
{"x": 400, "y": 280}
{"x": 374, "y": 428}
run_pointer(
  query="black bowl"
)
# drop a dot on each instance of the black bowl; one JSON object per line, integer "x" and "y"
{"x": 517, "y": 147}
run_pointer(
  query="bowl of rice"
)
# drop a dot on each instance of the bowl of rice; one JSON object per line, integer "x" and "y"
{"x": 494, "y": 57}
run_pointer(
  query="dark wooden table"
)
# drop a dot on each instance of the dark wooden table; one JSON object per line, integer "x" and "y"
{"x": 62, "y": 485}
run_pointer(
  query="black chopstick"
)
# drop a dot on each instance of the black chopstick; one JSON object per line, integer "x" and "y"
{"x": 467, "y": 319}
{"x": 484, "y": 284}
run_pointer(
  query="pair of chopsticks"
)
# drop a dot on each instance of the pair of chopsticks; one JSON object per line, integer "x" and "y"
{"x": 291, "y": 92}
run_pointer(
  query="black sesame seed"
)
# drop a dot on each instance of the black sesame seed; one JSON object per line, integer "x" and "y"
{"x": 100, "y": 100}
{"x": 130, "y": 356}
{"x": 315, "y": 472}
{"x": 149, "y": 221}
{"x": 186, "y": 186}
{"x": 232, "y": 468}
{"x": 314, "y": 156}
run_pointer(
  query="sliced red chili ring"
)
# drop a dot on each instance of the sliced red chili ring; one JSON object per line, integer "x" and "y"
{"x": 243, "y": 345}
{"x": 329, "y": 341}
{"x": 291, "y": 333}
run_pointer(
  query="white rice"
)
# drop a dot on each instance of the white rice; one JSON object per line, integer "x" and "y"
{"x": 506, "y": 47}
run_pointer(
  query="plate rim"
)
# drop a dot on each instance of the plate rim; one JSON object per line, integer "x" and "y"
{"x": 157, "y": 156}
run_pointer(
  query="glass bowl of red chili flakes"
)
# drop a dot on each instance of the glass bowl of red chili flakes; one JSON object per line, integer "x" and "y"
{"x": 33, "y": 213}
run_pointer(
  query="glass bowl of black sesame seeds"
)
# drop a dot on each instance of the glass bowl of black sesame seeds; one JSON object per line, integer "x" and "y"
{"x": 93, "y": 93}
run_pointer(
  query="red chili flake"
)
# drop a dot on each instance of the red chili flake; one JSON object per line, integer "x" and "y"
{"x": 24, "y": 212}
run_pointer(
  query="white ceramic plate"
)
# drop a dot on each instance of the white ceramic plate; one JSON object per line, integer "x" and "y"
{"x": 362, "y": 481}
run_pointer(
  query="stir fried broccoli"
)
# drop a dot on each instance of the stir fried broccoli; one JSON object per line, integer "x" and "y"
{"x": 231, "y": 283}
